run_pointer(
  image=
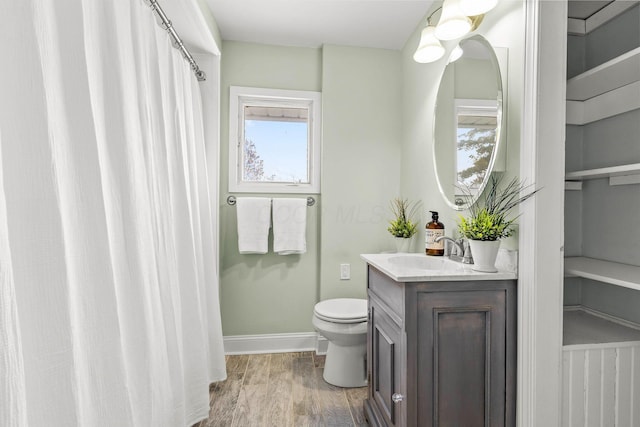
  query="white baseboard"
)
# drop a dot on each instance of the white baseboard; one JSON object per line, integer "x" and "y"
{"x": 275, "y": 343}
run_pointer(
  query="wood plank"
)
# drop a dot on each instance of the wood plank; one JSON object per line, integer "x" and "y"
{"x": 305, "y": 402}
{"x": 624, "y": 381}
{"x": 308, "y": 420}
{"x": 355, "y": 398}
{"x": 237, "y": 363}
{"x": 578, "y": 388}
{"x": 253, "y": 402}
{"x": 333, "y": 403}
{"x": 567, "y": 371}
{"x": 635, "y": 395}
{"x": 257, "y": 369}
{"x": 608, "y": 373}
{"x": 223, "y": 400}
{"x": 281, "y": 362}
{"x": 279, "y": 411}
{"x": 594, "y": 387}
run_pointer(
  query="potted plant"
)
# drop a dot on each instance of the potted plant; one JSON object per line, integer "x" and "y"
{"x": 489, "y": 220}
{"x": 403, "y": 227}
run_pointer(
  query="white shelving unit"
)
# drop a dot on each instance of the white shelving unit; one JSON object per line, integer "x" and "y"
{"x": 606, "y": 90}
{"x": 627, "y": 276}
{"x": 601, "y": 353}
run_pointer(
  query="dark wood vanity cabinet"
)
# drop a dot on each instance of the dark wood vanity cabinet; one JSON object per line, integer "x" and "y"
{"x": 441, "y": 353}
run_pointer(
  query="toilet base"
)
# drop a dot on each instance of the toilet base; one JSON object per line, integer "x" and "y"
{"x": 345, "y": 366}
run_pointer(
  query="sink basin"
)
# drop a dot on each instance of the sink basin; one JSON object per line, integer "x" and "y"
{"x": 423, "y": 262}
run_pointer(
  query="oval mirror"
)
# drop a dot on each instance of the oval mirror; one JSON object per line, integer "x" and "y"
{"x": 468, "y": 122}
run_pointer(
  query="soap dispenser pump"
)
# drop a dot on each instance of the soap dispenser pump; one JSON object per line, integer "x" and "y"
{"x": 434, "y": 230}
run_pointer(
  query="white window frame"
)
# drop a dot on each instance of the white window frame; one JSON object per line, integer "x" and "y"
{"x": 241, "y": 96}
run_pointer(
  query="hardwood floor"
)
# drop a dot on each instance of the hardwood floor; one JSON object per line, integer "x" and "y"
{"x": 282, "y": 389}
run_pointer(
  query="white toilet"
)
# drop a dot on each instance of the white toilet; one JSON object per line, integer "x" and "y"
{"x": 343, "y": 322}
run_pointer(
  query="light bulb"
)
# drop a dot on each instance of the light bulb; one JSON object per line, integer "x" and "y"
{"x": 429, "y": 49}
{"x": 453, "y": 22}
{"x": 477, "y": 7}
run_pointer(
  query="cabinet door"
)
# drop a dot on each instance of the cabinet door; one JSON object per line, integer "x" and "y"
{"x": 386, "y": 364}
{"x": 461, "y": 358}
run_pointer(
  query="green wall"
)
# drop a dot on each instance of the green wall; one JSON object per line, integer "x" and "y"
{"x": 265, "y": 294}
{"x": 361, "y": 161}
{"x": 377, "y": 145}
{"x": 270, "y": 294}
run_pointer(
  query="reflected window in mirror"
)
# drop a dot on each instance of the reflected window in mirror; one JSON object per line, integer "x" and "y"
{"x": 476, "y": 124}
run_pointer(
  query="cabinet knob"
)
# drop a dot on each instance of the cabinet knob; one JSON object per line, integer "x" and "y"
{"x": 397, "y": 397}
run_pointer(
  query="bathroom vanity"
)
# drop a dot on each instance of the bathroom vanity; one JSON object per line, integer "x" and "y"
{"x": 441, "y": 343}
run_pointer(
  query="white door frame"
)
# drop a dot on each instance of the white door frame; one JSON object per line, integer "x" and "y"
{"x": 542, "y": 223}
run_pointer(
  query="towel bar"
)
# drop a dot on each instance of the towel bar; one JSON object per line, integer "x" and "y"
{"x": 231, "y": 200}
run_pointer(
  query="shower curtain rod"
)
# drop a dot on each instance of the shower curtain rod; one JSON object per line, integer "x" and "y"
{"x": 177, "y": 42}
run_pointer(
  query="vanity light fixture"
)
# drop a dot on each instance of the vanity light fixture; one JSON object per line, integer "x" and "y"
{"x": 454, "y": 23}
{"x": 456, "y": 53}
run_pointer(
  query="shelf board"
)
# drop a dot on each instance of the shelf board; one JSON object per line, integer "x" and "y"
{"x": 613, "y": 74}
{"x": 627, "y": 276}
{"x": 582, "y": 27}
{"x": 621, "y": 170}
{"x": 583, "y": 326}
{"x": 609, "y": 104}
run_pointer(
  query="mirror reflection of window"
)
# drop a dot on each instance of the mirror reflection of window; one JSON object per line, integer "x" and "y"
{"x": 476, "y": 124}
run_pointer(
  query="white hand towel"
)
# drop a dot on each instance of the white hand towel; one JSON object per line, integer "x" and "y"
{"x": 289, "y": 226}
{"x": 254, "y": 220}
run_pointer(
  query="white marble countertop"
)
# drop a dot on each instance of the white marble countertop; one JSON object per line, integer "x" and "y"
{"x": 417, "y": 267}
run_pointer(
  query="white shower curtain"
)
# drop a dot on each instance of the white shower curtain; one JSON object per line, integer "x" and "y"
{"x": 109, "y": 311}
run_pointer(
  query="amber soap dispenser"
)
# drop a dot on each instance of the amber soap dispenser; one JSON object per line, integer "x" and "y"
{"x": 434, "y": 230}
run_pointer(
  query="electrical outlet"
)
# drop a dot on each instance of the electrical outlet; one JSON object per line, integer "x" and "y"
{"x": 345, "y": 271}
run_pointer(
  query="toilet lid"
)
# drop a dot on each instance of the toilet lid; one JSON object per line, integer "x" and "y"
{"x": 342, "y": 310}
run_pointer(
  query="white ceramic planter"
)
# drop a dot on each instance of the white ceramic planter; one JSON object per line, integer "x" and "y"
{"x": 484, "y": 254}
{"x": 402, "y": 244}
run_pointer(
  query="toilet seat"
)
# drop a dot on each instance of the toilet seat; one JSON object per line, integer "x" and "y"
{"x": 342, "y": 310}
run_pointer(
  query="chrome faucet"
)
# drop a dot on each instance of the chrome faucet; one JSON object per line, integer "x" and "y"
{"x": 460, "y": 247}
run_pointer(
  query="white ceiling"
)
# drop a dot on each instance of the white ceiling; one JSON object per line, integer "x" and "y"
{"x": 383, "y": 24}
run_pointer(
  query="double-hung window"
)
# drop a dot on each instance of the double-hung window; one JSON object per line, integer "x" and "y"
{"x": 274, "y": 140}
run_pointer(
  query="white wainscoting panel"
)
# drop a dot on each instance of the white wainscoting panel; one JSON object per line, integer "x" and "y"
{"x": 601, "y": 385}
